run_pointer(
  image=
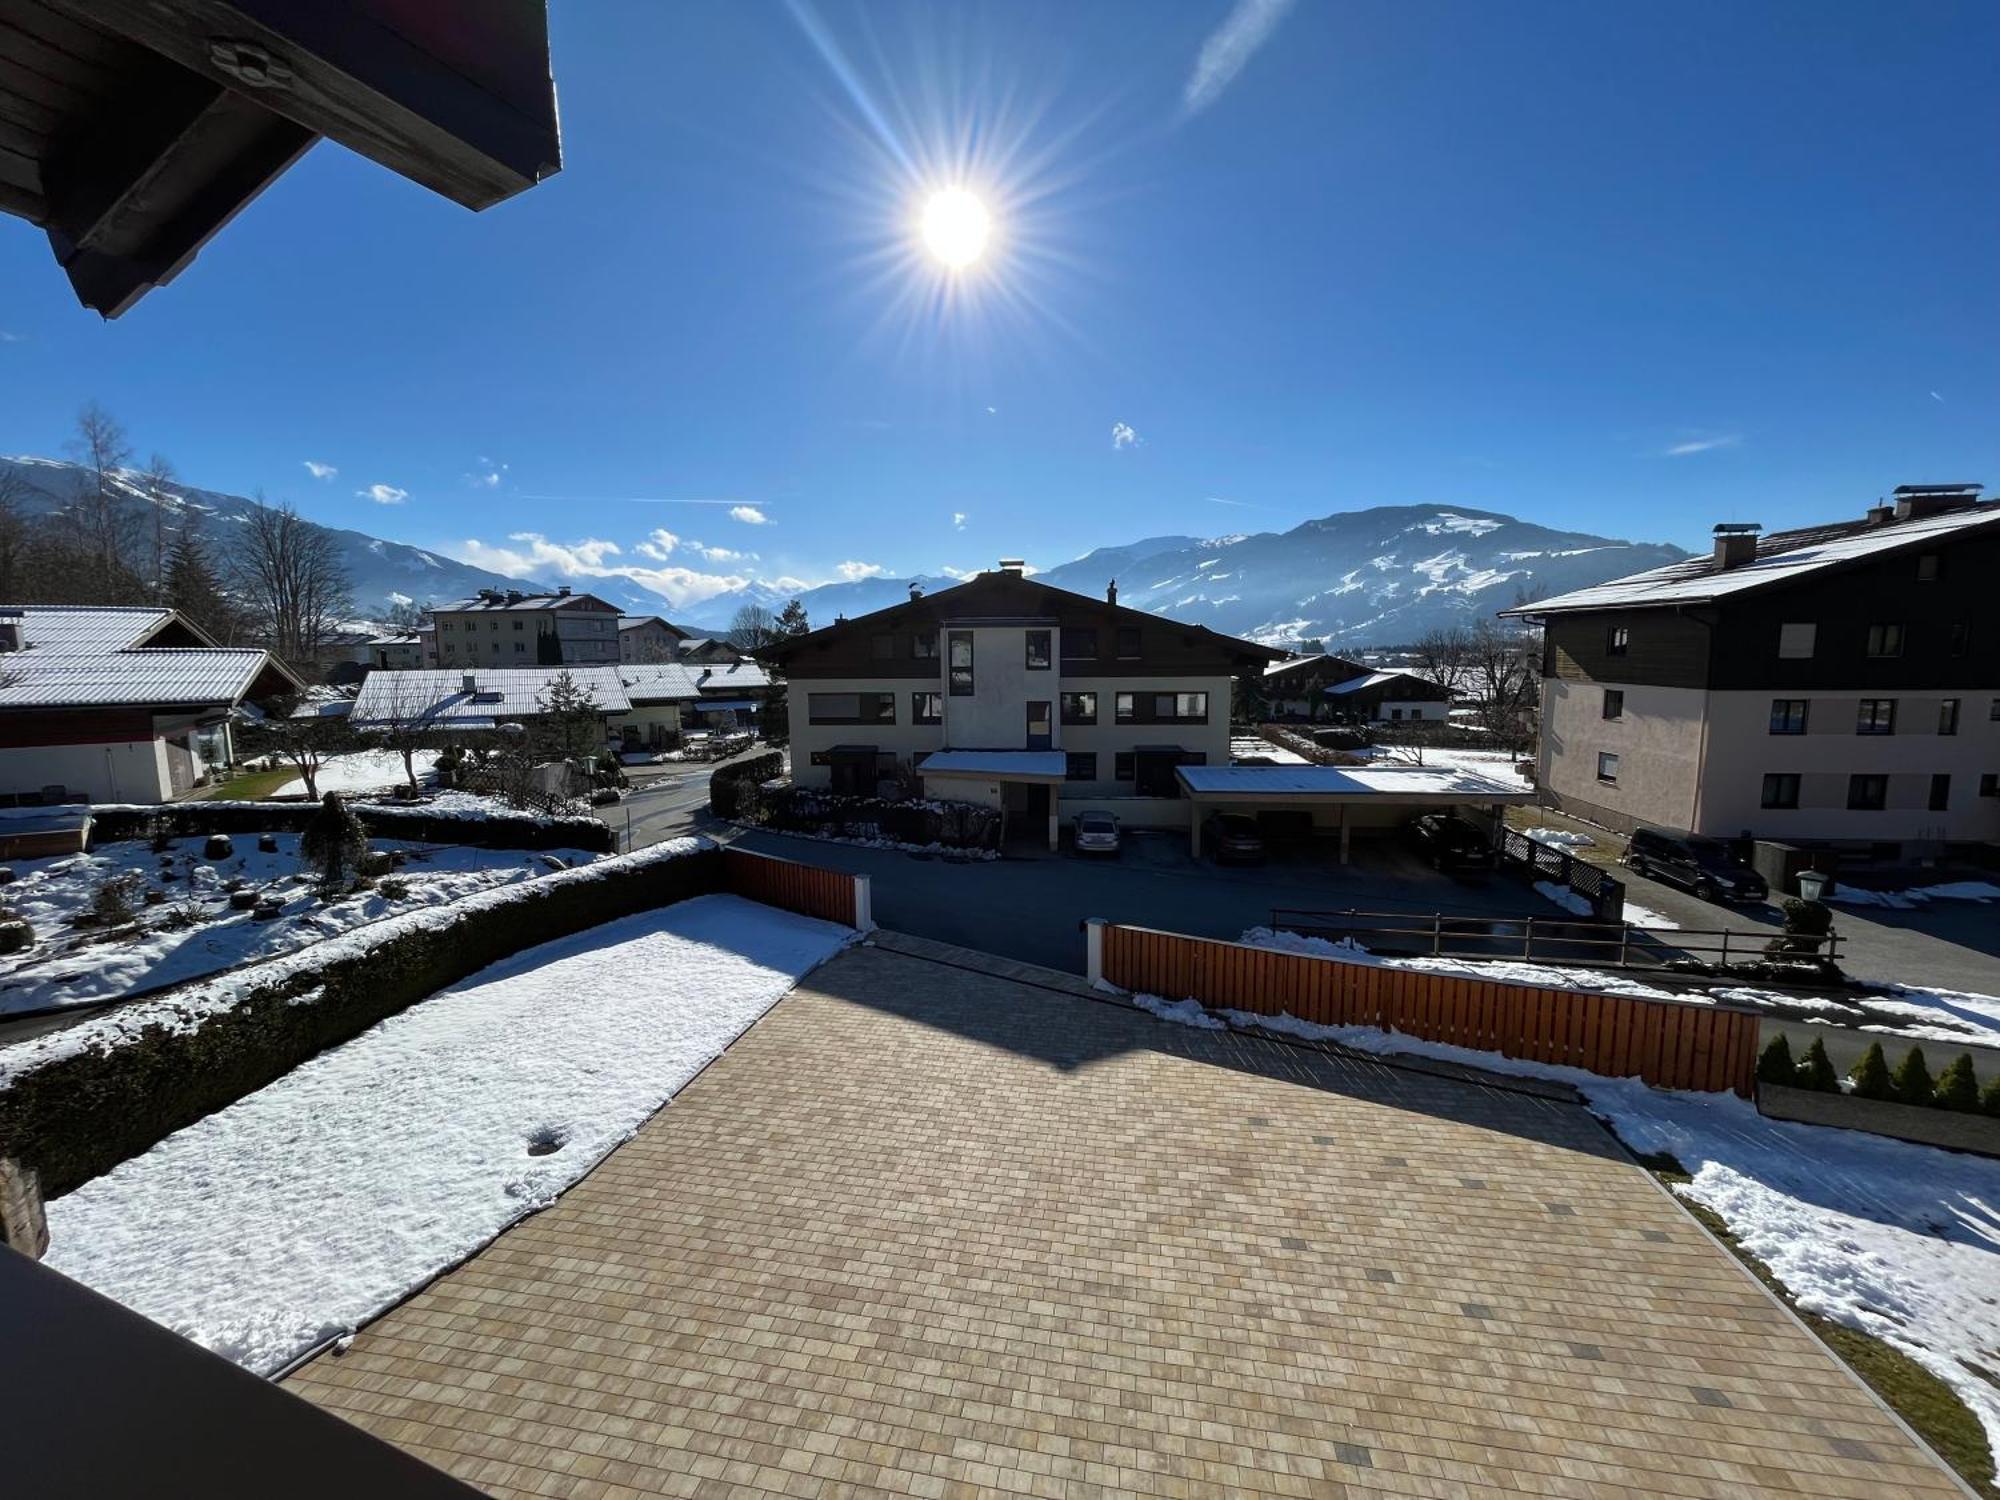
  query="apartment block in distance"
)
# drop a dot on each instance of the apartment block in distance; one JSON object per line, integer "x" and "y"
{"x": 1017, "y": 695}
{"x": 1838, "y": 683}
{"x": 508, "y": 628}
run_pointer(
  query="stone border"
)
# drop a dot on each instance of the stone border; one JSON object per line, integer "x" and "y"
{"x": 1951, "y": 1129}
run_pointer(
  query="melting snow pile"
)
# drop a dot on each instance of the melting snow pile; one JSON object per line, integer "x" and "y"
{"x": 306, "y": 1208}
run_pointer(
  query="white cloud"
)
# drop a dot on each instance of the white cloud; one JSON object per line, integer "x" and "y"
{"x": 1703, "y": 445}
{"x": 11, "y": 338}
{"x": 1122, "y": 436}
{"x": 958, "y": 520}
{"x": 749, "y": 515}
{"x": 721, "y": 554}
{"x": 853, "y": 572}
{"x": 398, "y": 599}
{"x": 791, "y": 585}
{"x": 488, "y": 474}
{"x": 1235, "y": 504}
{"x": 383, "y": 494}
{"x": 1937, "y": 398}
{"x": 1249, "y": 25}
{"x": 319, "y": 470}
{"x": 534, "y": 556}
{"x": 659, "y": 544}
{"x": 959, "y": 573}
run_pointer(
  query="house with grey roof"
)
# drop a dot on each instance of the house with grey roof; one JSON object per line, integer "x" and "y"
{"x": 477, "y": 698}
{"x": 514, "y": 628}
{"x": 118, "y": 704}
{"x": 1837, "y": 683}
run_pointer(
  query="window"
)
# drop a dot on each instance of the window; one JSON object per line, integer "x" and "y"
{"x": 1989, "y": 784}
{"x": 1930, "y": 567}
{"x": 1781, "y": 789}
{"x": 1128, "y": 642}
{"x": 1038, "y": 650}
{"x": 1124, "y": 767}
{"x": 1796, "y": 639}
{"x": 1123, "y": 708}
{"x": 882, "y": 647}
{"x": 521, "y": 646}
{"x": 1079, "y": 643}
{"x": 851, "y": 708}
{"x": 1958, "y": 639}
{"x": 1617, "y": 640}
{"x": 1947, "y": 716}
{"x": 1885, "y": 640}
{"x": 927, "y": 708}
{"x": 959, "y": 643}
{"x": 1394, "y": 714}
{"x": 1180, "y": 708}
{"x": 1607, "y": 768}
{"x": 1079, "y": 708}
{"x": 517, "y": 624}
{"x": 1993, "y": 712}
{"x": 1614, "y": 703}
{"x": 444, "y": 625}
{"x": 1788, "y": 715}
{"x": 1039, "y": 733}
{"x": 924, "y": 645}
{"x": 1940, "y": 792}
{"x": 1080, "y": 765}
{"x": 1876, "y": 716}
{"x": 1868, "y": 793}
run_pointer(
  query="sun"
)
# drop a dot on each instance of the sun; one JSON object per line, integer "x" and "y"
{"x": 956, "y": 227}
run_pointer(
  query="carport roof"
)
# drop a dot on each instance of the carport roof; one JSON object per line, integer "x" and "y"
{"x": 1349, "y": 783}
{"x": 1048, "y": 765}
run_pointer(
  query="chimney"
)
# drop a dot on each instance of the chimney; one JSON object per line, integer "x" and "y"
{"x": 514, "y": 596}
{"x": 916, "y": 590}
{"x": 12, "y": 636}
{"x": 1015, "y": 565}
{"x": 1917, "y": 500}
{"x": 1879, "y": 514}
{"x": 1111, "y": 592}
{"x": 562, "y": 591}
{"x": 1735, "y": 543}
{"x": 468, "y": 684}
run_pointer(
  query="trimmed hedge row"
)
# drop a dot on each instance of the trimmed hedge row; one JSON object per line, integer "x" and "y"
{"x": 501, "y": 829}
{"x": 955, "y": 825}
{"x": 80, "y": 1115}
{"x": 726, "y": 784}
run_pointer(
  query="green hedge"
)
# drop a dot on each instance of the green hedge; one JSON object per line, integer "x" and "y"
{"x": 726, "y": 783}
{"x": 79, "y": 1115}
{"x": 503, "y": 828}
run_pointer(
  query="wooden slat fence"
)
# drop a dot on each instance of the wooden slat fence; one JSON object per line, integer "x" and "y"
{"x": 830, "y": 895}
{"x": 1670, "y": 1044}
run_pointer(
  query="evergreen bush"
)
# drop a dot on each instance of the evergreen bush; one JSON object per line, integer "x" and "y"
{"x": 1958, "y": 1086}
{"x": 1913, "y": 1079}
{"x": 333, "y": 843}
{"x": 1870, "y": 1076}
{"x": 1816, "y": 1070}
{"x": 1989, "y": 1098}
{"x": 1774, "y": 1064}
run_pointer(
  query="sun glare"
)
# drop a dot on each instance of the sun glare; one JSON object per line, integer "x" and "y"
{"x": 956, "y": 227}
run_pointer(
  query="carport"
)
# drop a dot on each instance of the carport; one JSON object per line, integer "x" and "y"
{"x": 1021, "y": 783}
{"x": 1341, "y": 798}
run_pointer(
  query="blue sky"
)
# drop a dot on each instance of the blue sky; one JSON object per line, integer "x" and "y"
{"x": 1632, "y": 270}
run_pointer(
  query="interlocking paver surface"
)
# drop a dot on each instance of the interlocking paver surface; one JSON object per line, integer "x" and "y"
{"x": 933, "y": 1232}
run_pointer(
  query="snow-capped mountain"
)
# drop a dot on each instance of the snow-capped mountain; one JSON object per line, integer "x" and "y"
{"x": 1381, "y": 576}
{"x": 383, "y": 573}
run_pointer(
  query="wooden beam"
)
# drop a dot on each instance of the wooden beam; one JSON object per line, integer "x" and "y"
{"x": 455, "y": 96}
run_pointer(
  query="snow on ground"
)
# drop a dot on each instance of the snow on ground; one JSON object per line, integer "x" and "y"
{"x": 1564, "y": 897}
{"x": 1934, "y": 1015}
{"x": 1645, "y": 916}
{"x": 1497, "y": 764}
{"x": 948, "y": 851}
{"x": 1500, "y": 971}
{"x": 1243, "y": 747}
{"x": 1956, "y": 890}
{"x": 1561, "y": 838}
{"x": 71, "y": 966}
{"x": 1897, "y": 1240}
{"x": 364, "y": 771}
{"x": 298, "y": 1213}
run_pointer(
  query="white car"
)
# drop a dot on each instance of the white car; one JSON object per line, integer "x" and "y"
{"x": 1096, "y": 833}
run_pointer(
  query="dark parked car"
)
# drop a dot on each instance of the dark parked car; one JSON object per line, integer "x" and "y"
{"x": 1704, "y": 866}
{"x": 1450, "y": 842}
{"x": 1233, "y": 839}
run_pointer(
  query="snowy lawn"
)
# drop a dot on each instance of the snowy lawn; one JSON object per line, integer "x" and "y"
{"x": 1243, "y": 747}
{"x": 1899, "y": 1241}
{"x": 68, "y": 966}
{"x": 364, "y": 771}
{"x": 1497, "y": 764}
{"x": 298, "y": 1213}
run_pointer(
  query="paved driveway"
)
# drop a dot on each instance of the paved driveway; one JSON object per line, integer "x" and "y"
{"x": 1032, "y": 908}
{"x": 929, "y": 1231}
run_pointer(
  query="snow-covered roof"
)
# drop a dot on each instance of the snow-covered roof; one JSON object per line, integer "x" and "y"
{"x": 1780, "y": 558}
{"x": 1356, "y": 783}
{"x": 83, "y": 656}
{"x": 734, "y": 677}
{"x": 660, "y": 682}
{"x": 439, "y": 694}
{"x": 504, "y": 603}
{"x": 1051, "y": 764}
{"x": 1366, "y": 680}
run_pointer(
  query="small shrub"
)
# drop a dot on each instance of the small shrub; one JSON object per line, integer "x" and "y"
{"x": 333, "y": 843}
{"x": 15, "y": 934}
{"x": 111, "y": 904}
{"x": 375, "y": 862}
{"x": 160, "y": 834}
{"x": 1913, "y": 1081}
{"x": 392, "y": 889}
{"x": 1958, "y": 1086}
{"x": 1816, "y": 1070}
{"x": 1870, "y": 1076}
{"x": 1775, "y": 1064}
{"x": 1989, "y": 1098}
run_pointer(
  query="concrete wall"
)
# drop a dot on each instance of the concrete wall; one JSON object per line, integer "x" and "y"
{"x": 1658, "y": 741}
{"x": 127, "y": 771}
{"x": 995, "y": 716}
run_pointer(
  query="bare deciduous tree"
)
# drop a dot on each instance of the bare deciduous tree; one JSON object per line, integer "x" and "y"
{"x": 1439, "y": 655}
{"x": 288, "y": 575}
{"x": 297, "y": 732}
{"x": 405, "y": 721}
{"x": 1503, "y": 668}
{"x": 102, "y": 520}
{"x": 14, "y": 537}
{"x": 156, "y": 481}
{"x": 751, "y": 627}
